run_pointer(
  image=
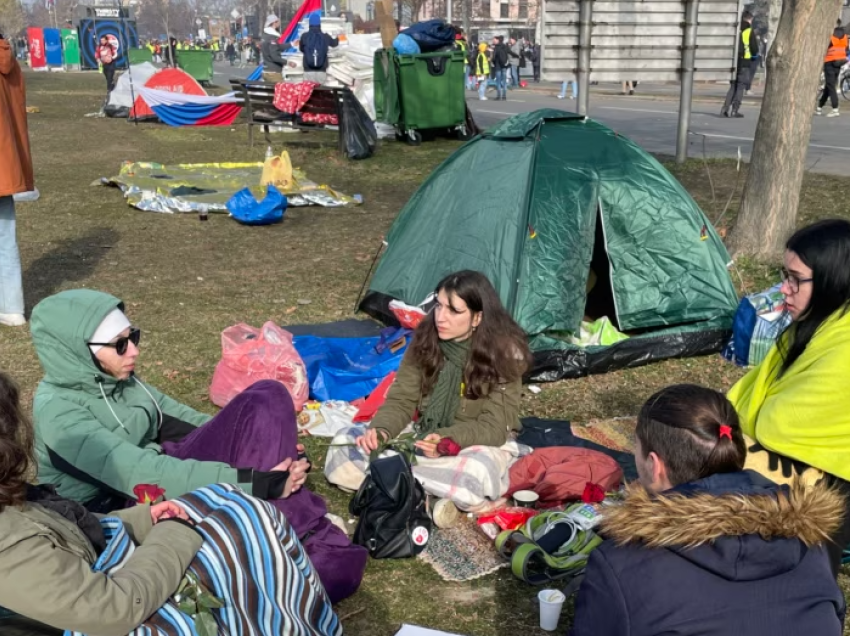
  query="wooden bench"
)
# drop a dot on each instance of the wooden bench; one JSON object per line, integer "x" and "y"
{"x": 257, "y": 99}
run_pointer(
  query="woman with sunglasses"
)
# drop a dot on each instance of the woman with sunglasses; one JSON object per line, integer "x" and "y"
{"x": 795, "y": 405}
{"x": 101, "y": 432}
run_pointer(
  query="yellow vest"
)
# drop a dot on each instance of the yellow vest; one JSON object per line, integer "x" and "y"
{"x": 482, "y": 64}
{"x": 745, "y": 42}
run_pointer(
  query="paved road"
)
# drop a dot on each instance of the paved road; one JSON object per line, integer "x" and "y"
{"x": 650, "y": 119}
{"x": 652, "y": 124}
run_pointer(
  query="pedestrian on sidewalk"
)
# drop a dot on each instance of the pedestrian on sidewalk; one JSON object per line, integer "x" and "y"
{"x": 230, "y": 52}
{"x": 747, "y": 44}
{"x": 535, "y": 61}
{"x": 835, "y": 58}
{"x": 15, "y": 177}
{"x": 482, "y": 71}
{"x": 565, "y": 85}
{"x": 514, "y": 58}
{"x": 501, "y": 65}
{"x": 105, "y": 53}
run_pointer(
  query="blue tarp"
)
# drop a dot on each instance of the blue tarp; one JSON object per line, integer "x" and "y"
{"x": 349, "y": 368}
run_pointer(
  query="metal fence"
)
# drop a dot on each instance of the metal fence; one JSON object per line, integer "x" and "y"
{"x": 640, "y": 40}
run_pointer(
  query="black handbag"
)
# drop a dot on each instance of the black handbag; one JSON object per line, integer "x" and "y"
{"x": 391, "y": 504}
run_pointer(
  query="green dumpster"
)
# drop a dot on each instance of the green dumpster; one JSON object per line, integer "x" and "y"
{"x": 198, "y": 64}
{"x": 421, "y": 92}
{"x": 138, "y": 56}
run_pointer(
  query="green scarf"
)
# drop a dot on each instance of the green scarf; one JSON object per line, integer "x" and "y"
{"x": 444, "y": 399}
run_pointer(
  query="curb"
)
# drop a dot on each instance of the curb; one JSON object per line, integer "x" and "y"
{"x": 652, "y": 97}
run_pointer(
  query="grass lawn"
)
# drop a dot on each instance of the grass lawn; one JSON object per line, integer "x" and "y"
{"x": 185, "y": 281}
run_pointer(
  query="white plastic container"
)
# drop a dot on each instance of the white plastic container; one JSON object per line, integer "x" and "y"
{"x": 551, "y": 603}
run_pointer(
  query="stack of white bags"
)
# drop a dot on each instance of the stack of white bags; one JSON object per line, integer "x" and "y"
{"x": 349, "y": 64}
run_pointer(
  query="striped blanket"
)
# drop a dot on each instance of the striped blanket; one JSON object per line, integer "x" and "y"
{"x": 475, "y": 480}
{"x": 251, "y": 559}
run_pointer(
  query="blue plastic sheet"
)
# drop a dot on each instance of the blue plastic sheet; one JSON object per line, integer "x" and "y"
{"x": 406, "y": 45}
{"x": 431, "y": 35}
{"x": 349, "y": 368}
{"x": 247, "y": 210}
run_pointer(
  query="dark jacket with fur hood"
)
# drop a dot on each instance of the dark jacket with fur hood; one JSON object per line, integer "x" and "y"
{"x": 730, "y": 554}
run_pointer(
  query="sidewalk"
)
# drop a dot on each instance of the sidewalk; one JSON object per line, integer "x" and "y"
{"x": 703, "y": 91}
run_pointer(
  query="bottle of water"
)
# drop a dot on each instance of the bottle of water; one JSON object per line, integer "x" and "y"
{"x": 269, "y": 153}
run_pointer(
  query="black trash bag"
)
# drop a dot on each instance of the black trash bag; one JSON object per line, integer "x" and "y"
{"x": 359, "y": 132}
{"x": 431, "y": 35}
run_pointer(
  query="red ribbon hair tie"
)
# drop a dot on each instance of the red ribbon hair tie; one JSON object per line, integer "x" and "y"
{"x": 725, "y": 431}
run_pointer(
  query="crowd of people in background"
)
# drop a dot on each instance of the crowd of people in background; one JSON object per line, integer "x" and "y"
{"x": 498, "y": 63}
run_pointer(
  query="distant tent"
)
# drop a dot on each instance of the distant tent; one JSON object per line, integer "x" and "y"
{"x": 121, "y": 98}
{"x": 172, "y": 80}
{"x": 570, "y": 221}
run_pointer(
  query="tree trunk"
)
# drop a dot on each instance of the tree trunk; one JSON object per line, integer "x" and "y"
{"x": 771, "y": 195}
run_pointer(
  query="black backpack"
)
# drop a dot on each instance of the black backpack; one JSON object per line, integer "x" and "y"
{"x": 394, "y": 522}
{"x": 315, "y": 51}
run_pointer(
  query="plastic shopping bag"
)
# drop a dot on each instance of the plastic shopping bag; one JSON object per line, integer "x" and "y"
{"x": 247, "y": 210}
{"x": 249, "y": 355}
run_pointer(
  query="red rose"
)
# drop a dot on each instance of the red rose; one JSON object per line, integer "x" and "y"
{"x": 148, "y": 493}
{"x": 447, "y": 446}
{"x": 593, "y": 493}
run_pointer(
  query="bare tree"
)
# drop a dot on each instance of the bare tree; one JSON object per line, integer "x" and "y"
{"x": 772, "y": 192}
{"x": 11, "y": 18}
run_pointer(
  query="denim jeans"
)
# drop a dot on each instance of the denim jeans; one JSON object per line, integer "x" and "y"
{"x": 482, "y": 86}
{"x": 501, "y": 79}
{"x": 469, "y": 80}
{"x": 514, "y": 76}
{"x": 11, "y": 285}
{"x": 564, "y": 89}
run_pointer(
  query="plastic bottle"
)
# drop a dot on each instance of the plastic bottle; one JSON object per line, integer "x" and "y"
{"x": 269, "y": 153}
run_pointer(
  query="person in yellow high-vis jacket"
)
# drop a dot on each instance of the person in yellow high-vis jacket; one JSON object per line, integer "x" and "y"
{"x": 482, "y": 70}
{"x": 748, "y": 48}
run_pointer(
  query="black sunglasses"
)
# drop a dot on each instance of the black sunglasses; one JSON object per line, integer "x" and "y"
{"x": 122, "y": 342}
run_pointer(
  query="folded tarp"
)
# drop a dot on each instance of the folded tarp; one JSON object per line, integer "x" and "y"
{"x": 350, "y": 368}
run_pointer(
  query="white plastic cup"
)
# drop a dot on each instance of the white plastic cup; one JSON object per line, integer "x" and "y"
{"x": 551, "y": 602}
{"x": 525, "y": 498}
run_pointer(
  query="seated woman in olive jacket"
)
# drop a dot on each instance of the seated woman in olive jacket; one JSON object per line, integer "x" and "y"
{"x": 462, "y": 374}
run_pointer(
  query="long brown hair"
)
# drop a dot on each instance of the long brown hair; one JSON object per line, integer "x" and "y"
{"x": 682, "y": 425}
{"x": 498, "y": 346}
{"x": 15, "y": 445}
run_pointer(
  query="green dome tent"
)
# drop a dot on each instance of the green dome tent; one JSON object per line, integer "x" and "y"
{"x": 537, "y": 204}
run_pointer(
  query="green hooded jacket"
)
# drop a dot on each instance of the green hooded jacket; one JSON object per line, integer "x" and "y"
{"x": 95, "y": 434}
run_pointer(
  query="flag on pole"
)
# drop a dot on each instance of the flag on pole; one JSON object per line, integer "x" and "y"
{"x": 307, "y": 8}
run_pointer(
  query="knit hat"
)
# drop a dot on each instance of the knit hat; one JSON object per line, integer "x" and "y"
{"x": 315, "y": 19}
{"x": 114, "y": 323}
{"x": 271, "y": 19}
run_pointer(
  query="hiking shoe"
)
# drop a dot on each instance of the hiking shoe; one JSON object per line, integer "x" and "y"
{"x": 12, "y": 320}
{"x": 834, "y": 113}
{"x": 445, "y": 514}
{"x": 818, "y": 111}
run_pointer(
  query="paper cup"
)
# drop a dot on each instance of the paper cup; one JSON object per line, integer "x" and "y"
{"x": 525, "y": 498}
{"x": 551, "y": 602}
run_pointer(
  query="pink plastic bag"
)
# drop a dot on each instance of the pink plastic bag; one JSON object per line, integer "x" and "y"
{"x": 249, "y": 355}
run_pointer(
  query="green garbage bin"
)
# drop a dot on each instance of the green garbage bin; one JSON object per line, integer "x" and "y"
{"x": 421, "y": 92}
{"x": 137, "y": 56}
{"x": 198, "y": 64}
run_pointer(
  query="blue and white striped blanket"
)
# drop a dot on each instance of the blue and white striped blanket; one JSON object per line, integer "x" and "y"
{"x": 251, "y": 559}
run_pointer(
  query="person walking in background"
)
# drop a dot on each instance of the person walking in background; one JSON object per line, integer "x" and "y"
{"x": 230, "y": 52}
{"x": 105, "y": 54}
{"x": 482, "y": 70}
{"x": 315, "y": 45}
{"x": 501, "y": 66}
{"x": 514, "y": 59}
{"x": 835, "y": 58}
{"x": 566, "y": 84}
{"x": 535, "y": 61}
{"x": 15, "y": 177}
{"x": 746, "y": 45}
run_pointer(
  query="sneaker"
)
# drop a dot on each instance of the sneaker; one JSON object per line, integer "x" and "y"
{"x": 561, "y": 96}
{"x": 737, "y": 115}
{"x": 445, "y": 514}
{"x": 818, "y": 111}
{"x": 483, "y": 99}
{"x": 12, "y": 320}
{"x": 834, "y": 113}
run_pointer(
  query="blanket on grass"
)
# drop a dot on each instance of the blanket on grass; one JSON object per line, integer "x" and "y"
{"x": 474, "y": 480}
{"x": 251, "y": 560}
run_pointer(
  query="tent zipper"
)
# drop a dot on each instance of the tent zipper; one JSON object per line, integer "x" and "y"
{"x": 610, "y": 266}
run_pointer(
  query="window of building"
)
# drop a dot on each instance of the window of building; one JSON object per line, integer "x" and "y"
{"x": 523, "y": 9}
{"x": 504, "y": 10}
